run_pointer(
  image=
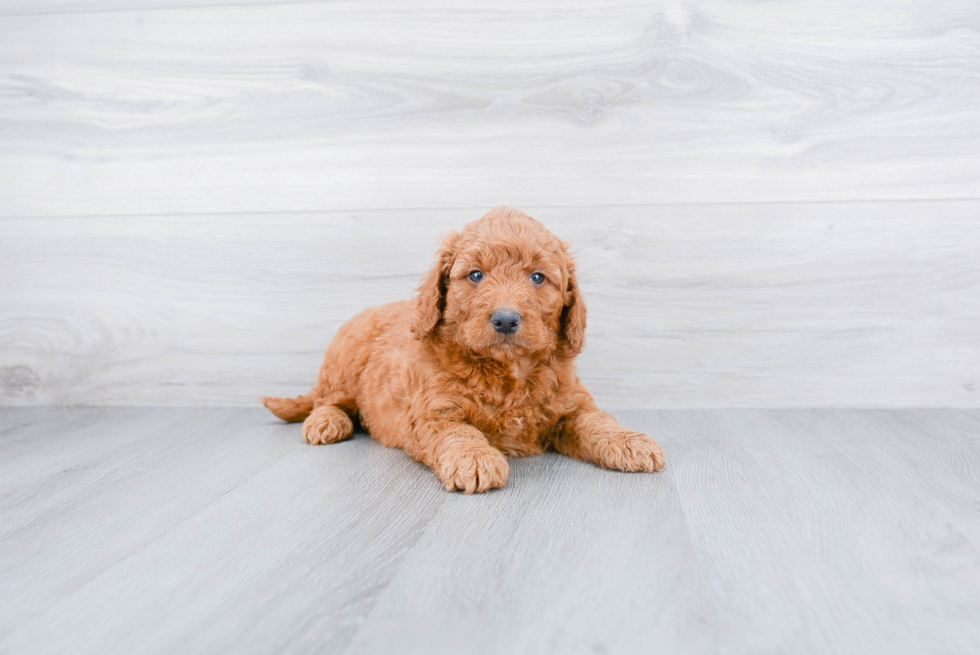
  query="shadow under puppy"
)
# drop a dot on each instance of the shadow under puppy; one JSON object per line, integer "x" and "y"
{"x": 478, "y": 368}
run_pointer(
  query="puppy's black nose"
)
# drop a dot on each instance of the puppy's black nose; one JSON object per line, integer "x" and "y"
{"x": 505, "y": 322}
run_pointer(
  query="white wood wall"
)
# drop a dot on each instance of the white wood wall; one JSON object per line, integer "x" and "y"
{"x": 772, "y": 203}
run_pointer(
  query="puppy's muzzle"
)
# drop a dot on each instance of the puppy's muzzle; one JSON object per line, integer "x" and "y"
{"x": 505, "y": 321}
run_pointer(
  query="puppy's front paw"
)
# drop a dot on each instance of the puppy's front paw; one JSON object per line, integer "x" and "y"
{"x": 327, "y": 424}
{"x": 630, "y": 451}
{"x": 472, "y": 467}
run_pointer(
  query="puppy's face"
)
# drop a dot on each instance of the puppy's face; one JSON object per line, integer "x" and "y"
{"x": 504, "y": 292}
{"x": 506, "y": 289}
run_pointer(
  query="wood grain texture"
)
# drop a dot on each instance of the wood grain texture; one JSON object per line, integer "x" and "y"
{"x": 808, "y": 534}
{"x": 353, "y": 105}
{"x": 164, "y": 528}
{"x": 769, "y": 532}
{"x": 803, "y": 531}
{"x": 45, "y": 7}
{"x": 573, "y": 559}
{"x": 856, "y": 304}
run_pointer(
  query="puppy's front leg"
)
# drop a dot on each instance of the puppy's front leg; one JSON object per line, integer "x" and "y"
{"x": 595, "y": 436}
{"x": 461, "y": 456}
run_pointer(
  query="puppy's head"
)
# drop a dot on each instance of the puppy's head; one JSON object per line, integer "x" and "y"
{"x": 503, "y": 288}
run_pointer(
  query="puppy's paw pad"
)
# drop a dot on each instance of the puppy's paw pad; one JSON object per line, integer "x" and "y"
{"x": 632, "y": 451}
{"x": 473, "y": 469}
{"x": 327, "y": 425}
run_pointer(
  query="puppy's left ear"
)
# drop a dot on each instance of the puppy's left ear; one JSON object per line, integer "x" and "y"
{"x": 573, "y": 314}
{"x": 432, "y": 292}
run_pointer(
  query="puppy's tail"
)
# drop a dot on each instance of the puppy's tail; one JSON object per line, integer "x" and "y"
{"x": 291, "y": 409}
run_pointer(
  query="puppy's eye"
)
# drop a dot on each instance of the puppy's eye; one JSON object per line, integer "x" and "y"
{"x": 537, "y": 278}
{"x": 475, "y": 276}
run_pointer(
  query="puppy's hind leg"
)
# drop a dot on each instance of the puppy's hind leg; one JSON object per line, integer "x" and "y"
{"x": 327, "y": 423}
{"x": 329, "y": 406}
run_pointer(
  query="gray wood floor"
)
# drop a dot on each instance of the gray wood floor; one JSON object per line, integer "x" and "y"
{"x": 218, "y": 530}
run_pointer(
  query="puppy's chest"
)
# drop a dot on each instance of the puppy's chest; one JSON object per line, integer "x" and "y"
{"x": 517, "y": 430}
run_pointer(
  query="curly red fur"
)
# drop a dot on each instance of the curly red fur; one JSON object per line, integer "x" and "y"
{"x": 433, "y": 377}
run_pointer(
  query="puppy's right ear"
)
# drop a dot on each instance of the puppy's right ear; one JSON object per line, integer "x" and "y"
{"x": 432, "y": 292}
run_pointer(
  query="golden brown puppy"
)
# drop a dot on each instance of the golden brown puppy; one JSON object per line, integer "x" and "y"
{"x": 478, "y": 368}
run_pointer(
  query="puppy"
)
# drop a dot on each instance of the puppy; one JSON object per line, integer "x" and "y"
{"x": 479, "y": 367}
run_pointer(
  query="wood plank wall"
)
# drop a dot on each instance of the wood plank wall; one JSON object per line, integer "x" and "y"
{"x": 773, "y": 204}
